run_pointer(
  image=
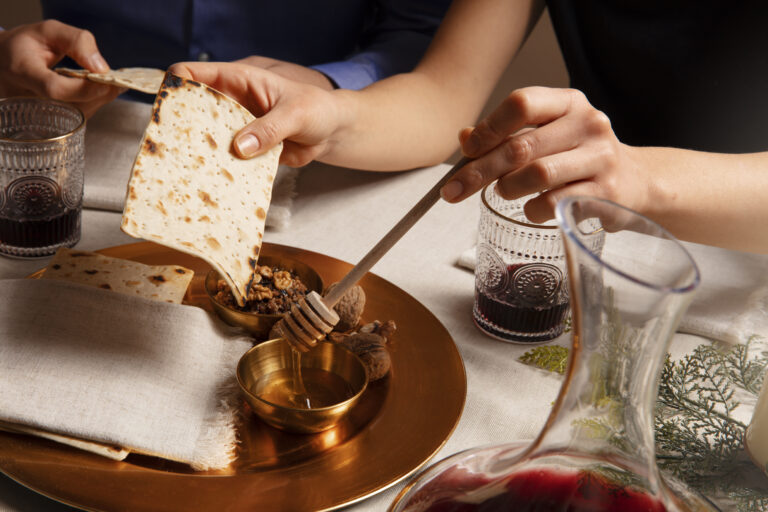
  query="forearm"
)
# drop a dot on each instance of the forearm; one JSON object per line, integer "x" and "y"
{"x": 709, "y": 198}
{"x": 383, "y": 129}
{"x": 413, "y": 119}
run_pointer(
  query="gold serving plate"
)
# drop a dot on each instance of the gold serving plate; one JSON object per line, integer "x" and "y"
{"x": 399, "y": 424}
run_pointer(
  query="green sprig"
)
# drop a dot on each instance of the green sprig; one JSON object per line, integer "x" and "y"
{"x": 697, "y": 438}
{"x": 552, "y": 358}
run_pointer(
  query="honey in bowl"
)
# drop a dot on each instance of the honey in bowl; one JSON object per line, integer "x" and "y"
{"x": 321, "y": 388}
{"x": 334, "y": 380}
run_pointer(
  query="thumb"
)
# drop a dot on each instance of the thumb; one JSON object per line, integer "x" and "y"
{"x": 287, "y": 109}
{"x": 264, "y": 133}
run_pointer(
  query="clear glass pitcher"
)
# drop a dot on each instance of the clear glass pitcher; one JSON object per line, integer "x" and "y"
{"x": 596, "y": 450}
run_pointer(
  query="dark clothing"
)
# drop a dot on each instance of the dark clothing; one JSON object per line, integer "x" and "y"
{"x": 682, "y": 73}
{"x": 353, "y": 42}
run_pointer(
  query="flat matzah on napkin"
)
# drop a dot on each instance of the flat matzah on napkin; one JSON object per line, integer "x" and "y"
{"x": 167, "y": 283}
{"x": 189, "y": 191}
{"x": 153, "y": 377}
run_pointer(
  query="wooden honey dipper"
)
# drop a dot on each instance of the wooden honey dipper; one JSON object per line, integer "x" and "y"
{"x": 313, "y": 316}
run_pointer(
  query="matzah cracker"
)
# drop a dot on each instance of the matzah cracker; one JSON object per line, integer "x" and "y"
{"x": 167, "y": 283}
{"x": 140, "y": 79}
{"x": 188, "y": 191}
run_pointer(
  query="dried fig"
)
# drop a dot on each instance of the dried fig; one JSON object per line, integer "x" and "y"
{"x": 386, "y": 329}
{"x": 372, "y": 351}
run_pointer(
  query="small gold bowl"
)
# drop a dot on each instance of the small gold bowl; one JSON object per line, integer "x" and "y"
{"x": 333, "y": 376}
{"x": 259, "y": 324}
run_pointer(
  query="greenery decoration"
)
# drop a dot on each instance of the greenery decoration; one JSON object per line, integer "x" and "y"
{"x": 698, "y": 439}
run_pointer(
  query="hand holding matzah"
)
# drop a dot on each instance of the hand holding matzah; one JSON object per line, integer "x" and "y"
{"x": 305, "y": 116}
{"x": 28, "y": 53}
{"x": 189, "y": 192}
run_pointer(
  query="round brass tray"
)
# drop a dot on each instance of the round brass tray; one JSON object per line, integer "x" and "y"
{"x": 402, "y": 421}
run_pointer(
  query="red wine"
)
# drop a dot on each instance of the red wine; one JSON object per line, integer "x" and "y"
{"x": 544, "y": 490}
{"x": 530, "y": 305}
{"x": 41, "y": 233}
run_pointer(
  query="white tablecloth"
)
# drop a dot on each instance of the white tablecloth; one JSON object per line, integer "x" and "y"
{"x": 342, "y": 213}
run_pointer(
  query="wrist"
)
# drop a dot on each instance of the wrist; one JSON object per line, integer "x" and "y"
{"x": 343, "y": 108}
{"x": 654, "y": 194}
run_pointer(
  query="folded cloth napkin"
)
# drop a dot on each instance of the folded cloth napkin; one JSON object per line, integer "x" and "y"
{"x": 152, "y": 377}
{"x": 731, "y": 304}
{"x": 112, "y": 140}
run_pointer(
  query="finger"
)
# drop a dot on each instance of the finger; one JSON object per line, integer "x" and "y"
{"x": 89, "y": 108}
{"x": 220, "y": 75}
{"x": 542, "y": 207}
{"x": 464, "y": 134}
{"x": 548, "y": 173}
{"x": 298, "y": 155}
{"x": 45, "y": 82}
{"x": 76, "y": 43}
{"x": 513, "y": 153}
{"x": 200, "y": 71}
{"x": 233, "y": 79}
{"x": 257, "y": 60}
{"x": 523, "y": 107}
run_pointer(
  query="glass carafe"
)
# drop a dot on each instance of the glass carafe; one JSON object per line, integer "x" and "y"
{"x": 596, "y": 450}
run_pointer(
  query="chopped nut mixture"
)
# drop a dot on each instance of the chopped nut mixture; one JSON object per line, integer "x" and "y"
{"x": 272, "y": 291}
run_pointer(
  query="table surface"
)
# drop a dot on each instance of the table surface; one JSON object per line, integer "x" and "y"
{"x": 343, "y": 213}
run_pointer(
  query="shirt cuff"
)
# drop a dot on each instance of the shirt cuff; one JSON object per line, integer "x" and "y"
{"x": 354, "y": 74}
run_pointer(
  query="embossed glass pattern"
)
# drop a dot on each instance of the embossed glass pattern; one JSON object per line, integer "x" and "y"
{"x": 41, "y": 176}
{"x": 521, "y": 293}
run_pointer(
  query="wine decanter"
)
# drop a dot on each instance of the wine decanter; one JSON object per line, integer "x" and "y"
{"x": 596, "y": 450}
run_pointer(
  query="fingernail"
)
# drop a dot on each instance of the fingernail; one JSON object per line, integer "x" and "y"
{"x": 247, "y": 144}
{"x": 451, "y": 190}
{"x": 98, "y": 63}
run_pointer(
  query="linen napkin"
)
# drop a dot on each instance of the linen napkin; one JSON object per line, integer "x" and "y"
{"x": 112, "y": 140}
{"x": 151, "y": 377}
{"x": 731, "y": 304}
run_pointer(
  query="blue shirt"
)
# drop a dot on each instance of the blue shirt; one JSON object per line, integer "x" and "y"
{"x": 353, "y": 42}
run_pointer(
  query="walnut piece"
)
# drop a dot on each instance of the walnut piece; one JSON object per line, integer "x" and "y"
{"x": 282, "y": 280}
{"x": 372, "y": 351}
{"x": 349, "y": 308}
{"x": 259, "y": 292}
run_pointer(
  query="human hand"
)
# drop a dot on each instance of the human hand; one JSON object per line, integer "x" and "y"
{"x": 302, "y": 116}
{"x": 290, "y": 70}
{"x": 550, "y": 141}
{"x": 28, "y": 52}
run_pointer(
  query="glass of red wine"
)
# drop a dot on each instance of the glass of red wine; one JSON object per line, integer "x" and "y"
{"x": 521, "y": 291}
{"x": 596, "y": 450}
{"x": 42, "y": 147}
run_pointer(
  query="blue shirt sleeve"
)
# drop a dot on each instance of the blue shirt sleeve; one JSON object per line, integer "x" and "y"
{"x": 354, "y": 42}
{"x": 394, "y": 44}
